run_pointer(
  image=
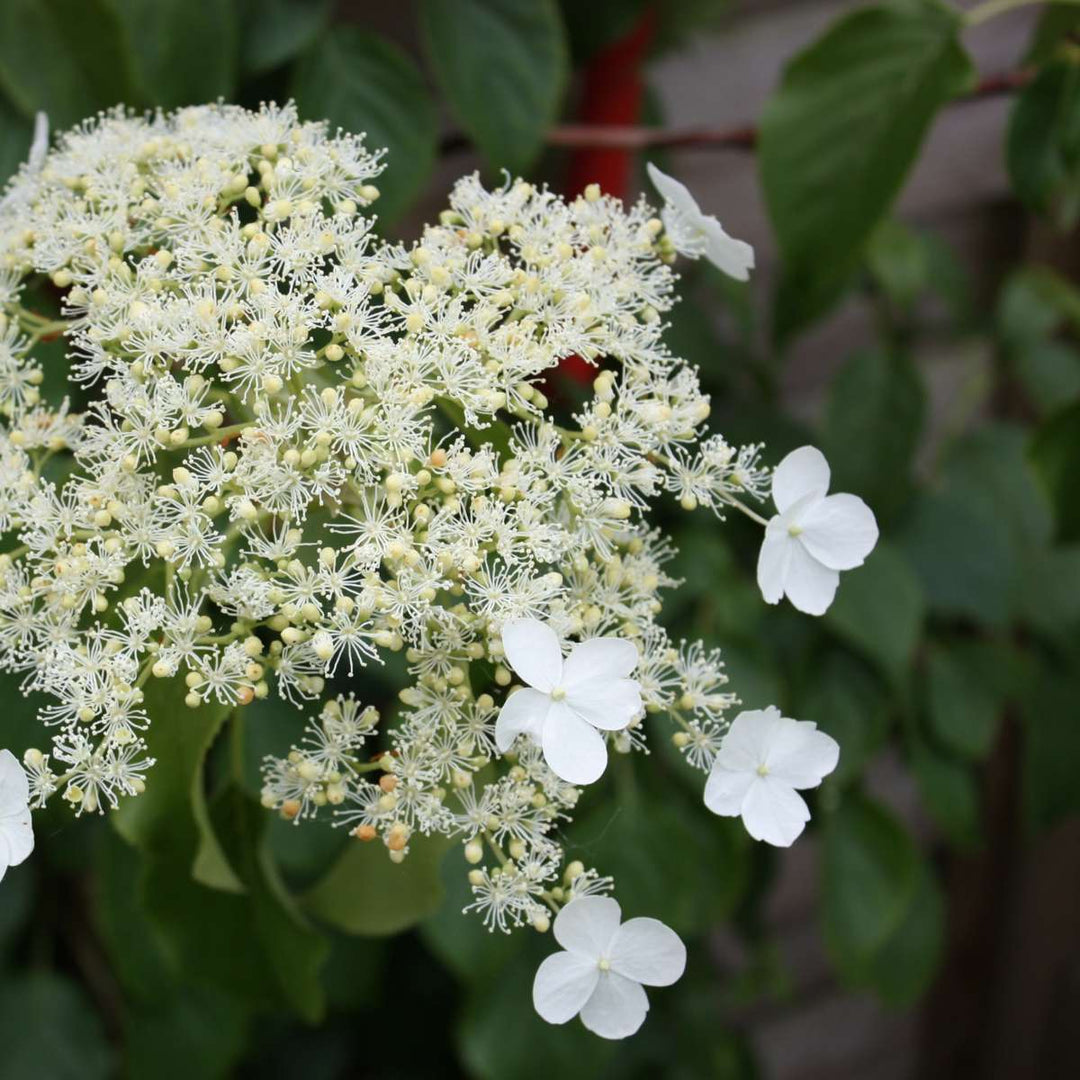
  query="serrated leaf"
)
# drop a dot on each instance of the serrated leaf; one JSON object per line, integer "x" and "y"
{"x": 365, "y": 84}
{"x": 839, "y": 136}
{"x": 503, "y": 67}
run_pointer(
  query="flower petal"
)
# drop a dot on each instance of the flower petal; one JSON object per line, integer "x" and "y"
{"x": 809, "y": 585}
{"x": 532, "y": 650}
{"x": 725, "y": 791}
{"x": 601, "y": 658}
{"x": 563, "y": 983}
{"x": 773, "y": 812}
{"x": 747, "y": 742}
{"x": 586, "y": 925}
{"x": 839, "y": 531}
{"x": 734, "y": 257}
{"x": 674, "y": 192}
{"x": 803, "y": 471}
{"x": 609, "y": 705}
{"x": 523, "y": 713}
{"x": 648, "y": 952}
{"x": 16, "y": 838}
{"x": 617, "y": 1007}
{"x": 40, "y": 145}
{"x": 800, "y": 755}
{"x": 774, "y": 560}
{"x": 14, "y": 784}
{"x": 574, "y": 749}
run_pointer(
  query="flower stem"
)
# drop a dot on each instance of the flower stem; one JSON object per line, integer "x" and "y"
{"x": 753, "y": 515}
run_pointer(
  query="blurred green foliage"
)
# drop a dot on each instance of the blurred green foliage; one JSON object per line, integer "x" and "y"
{"x": 216, "y": 942}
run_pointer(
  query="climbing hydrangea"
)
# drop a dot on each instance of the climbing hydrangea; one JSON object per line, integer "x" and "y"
{"x": 291, "y": 447}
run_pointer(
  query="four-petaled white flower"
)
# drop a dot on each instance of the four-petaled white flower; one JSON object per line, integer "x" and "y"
{"x": 813, "y": 537}
{"x": 763, "y": 758}
{"x": 600, "y": 975}
{"x": 566, "y": 702}
{"x": 695, "y": 234}
{"x": 16, "y": 832}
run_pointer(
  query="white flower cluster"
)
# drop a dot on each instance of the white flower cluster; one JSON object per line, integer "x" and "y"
{"x": 306, "y": 446}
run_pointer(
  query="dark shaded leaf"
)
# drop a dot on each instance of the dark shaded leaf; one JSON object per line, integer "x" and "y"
{"x": 365, "y": 84}
{"x": 503, "y": 67}
{"x": 838, "y": 138}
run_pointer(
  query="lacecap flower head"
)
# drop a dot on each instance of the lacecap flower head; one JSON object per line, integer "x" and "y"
{"x": 291, "y": 448}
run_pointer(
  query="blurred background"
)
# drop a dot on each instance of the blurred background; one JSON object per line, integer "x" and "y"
{"x": 909, "y": 174}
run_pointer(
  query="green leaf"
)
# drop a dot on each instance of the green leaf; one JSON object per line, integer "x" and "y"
{"x": 275, "y": 31}
{"x": 293, "y": 951}
{"x": 179, "y": 739}
{"x": 365, "y": 893}
{"x": 1050, "y": 599}
{"x": 183, "y": 51}
{"x": 962, "y": 555}
{"x": 1055, "y": 452}
{"x": 1051, "y": 749}
{"x": 1050, "y": 374}
{"x": 839, "y": 136}
{"x": 1057, "y": 23}
{"x": 1043, "y": 144}
{"x": 949, "y": 792}
{"x": 503, "y": 67}
{"x": 631, "y": 838}
{"x": 899, "y": 261}
{"x": 462, "y": 942}
{"x": 1035, "y": 302}
{"x": 965, "y": 696}
{"x": 48, "y": 1030}
{"x": 847, "y": 701}
{"x": 501, "y": 1036}
{"x": 879, "y": 610}
{"x": 16, "y": 134}
{"x": 363, "y": 83}
{"x": 67, "y": 57}
{"x": 873, "y": 421}
{"x": 18, "y": 896}
{"x": 255, "y": 944}
{"x": 902, "y": 970}
{"x": 871, "y": 872}
{"x": 198, "y": 1033}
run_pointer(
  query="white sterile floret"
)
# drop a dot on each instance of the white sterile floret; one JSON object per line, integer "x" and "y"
{"x": 16, "y": 830}
{"x": 601, "y": 973}
{"x": 762, "y": 760}
{"x": 813, "y": 537}
{"x": 695, "y": 234}
{"x": 567, "y": 703}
